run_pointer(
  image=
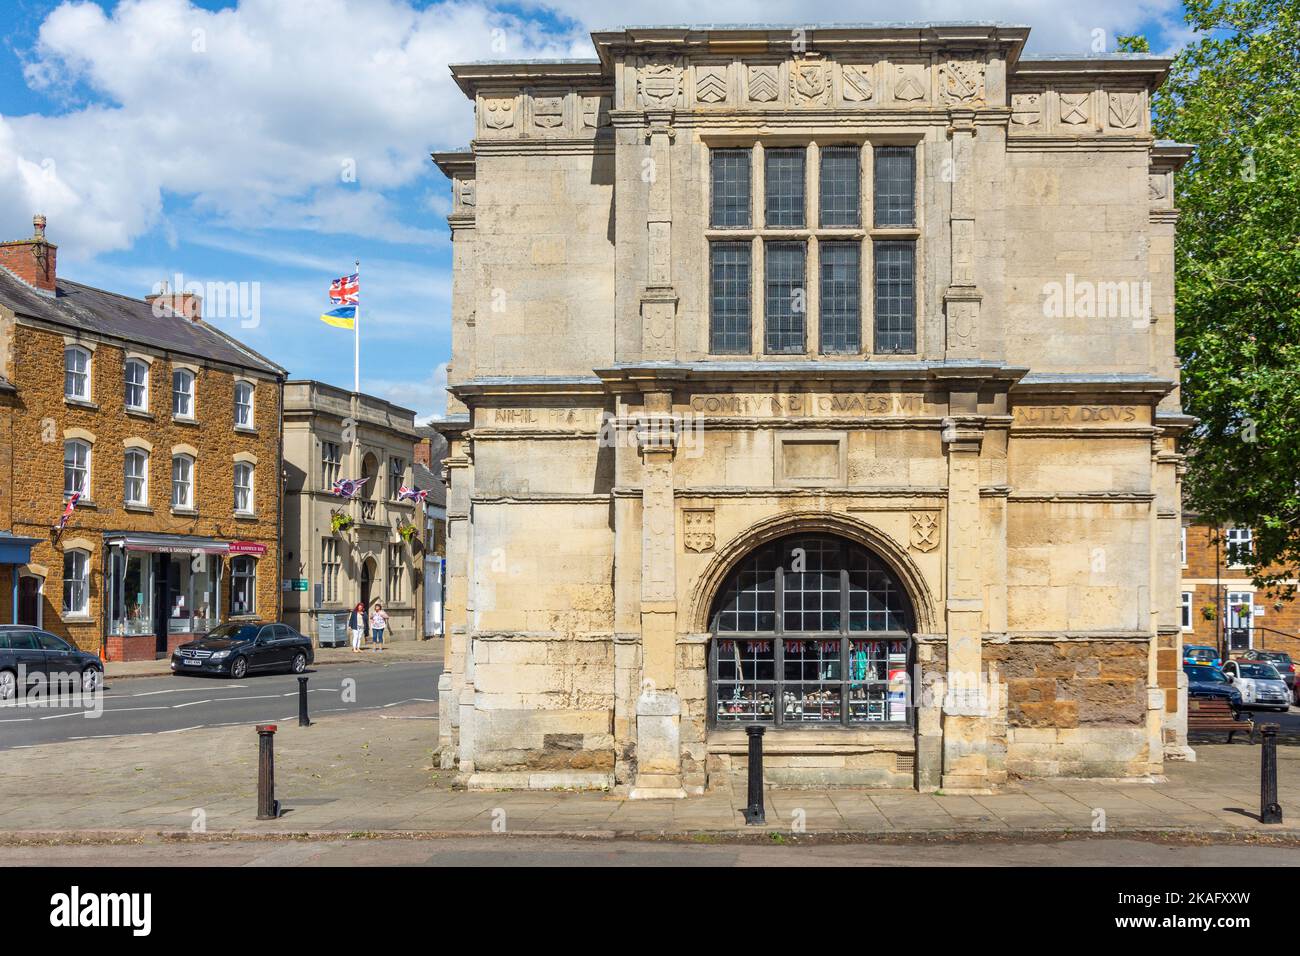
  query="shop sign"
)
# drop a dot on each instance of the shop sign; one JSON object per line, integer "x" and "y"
{"x": 247, "y": 547}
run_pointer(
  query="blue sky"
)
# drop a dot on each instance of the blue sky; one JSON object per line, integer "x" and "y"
{"x": 273, "y": 142}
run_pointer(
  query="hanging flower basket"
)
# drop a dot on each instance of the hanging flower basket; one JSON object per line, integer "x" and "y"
{"x": 1208, "y": 612}
{"x": 410, "y": 534}
{"x": 340, "y": 522}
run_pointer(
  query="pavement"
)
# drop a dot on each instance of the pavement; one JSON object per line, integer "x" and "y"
{"x": 375, "y": 775}
{"x": 182, "y": 703}
{"x": 430, "y": 650}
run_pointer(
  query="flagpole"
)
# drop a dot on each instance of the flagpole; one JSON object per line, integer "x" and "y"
{"x": 356, "y": 336}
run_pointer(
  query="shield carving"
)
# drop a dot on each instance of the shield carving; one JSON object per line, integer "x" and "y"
{"x": 697, "y": 528}
{"x": 925, "y": 531}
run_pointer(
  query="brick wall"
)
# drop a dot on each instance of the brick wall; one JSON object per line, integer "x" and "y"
{"x": 1198, "y": 577}
{"x": 41, "y": 419}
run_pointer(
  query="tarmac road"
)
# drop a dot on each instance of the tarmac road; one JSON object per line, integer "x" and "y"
{"x": 174, "y": 704}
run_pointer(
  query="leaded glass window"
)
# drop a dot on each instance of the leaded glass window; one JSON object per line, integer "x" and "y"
{"x": 729, "y": 278}
{"x": 895, "y": 186}
{"x": 841, "y": 306}
{"x": 840, "y": 185}
{"x": 783, "y": 179}
{"x": 785, "y": 301}
{"x": 731, "y": 188}
{"x": 895, "y": 295}
{"x": 811, "y": 629}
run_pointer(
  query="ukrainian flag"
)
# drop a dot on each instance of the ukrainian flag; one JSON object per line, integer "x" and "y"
{"x": 344, "y": 317}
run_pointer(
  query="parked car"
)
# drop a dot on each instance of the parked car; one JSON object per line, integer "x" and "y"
{"x": 1260, "y": 684}
{"x": 44, "y": 656}
{"x": 239, "y": 648}
{"x": 1201, "y": 654}
{"x": 1279, "y": 659}
{"x": 1206, "y": 681}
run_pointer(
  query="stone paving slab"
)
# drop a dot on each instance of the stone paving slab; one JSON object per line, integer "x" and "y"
{"x": 377, "y": 774}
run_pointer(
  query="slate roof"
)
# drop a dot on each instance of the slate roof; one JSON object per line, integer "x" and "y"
{"x": 424, "y": 478}
{"x": 88, "y": 309}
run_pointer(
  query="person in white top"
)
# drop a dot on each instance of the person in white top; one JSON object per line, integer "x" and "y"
{"x": 378, "y": 622}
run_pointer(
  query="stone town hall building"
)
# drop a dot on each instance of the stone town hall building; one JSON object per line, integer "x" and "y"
{"x": 823, "y": 379}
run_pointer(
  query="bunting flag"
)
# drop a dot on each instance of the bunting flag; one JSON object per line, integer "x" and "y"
{"x": 344, "y": 317}
{"x": 347, "y": 487}
{"x": 70, "y": 507}
{"x": 347, "y": 290}
{"x": 412, "y": 494}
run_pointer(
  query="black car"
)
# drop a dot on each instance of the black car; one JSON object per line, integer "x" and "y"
{"x": 1206, "y": 681}
{"x": 239, "y": 648}
{"x": 46, "y": 658}
{"x": 1279, "y": 659}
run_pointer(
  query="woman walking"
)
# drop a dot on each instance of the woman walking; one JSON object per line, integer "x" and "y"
{"x": 357, "y": 625}
{"x": 378, "y": 621}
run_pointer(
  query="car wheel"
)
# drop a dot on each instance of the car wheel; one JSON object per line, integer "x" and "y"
{"x": 238, "y": 668}
{"x": 299, "y": 662}
{"x": 90, "y": 679}
{"x": 8, "y": 685}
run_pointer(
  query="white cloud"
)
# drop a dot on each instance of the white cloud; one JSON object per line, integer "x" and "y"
{"x": 428, "y": 397}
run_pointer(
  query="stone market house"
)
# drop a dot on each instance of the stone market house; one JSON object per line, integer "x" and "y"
{"x": 170, "y": 430}
{"x": 331, "y": 433}
{"x": 822, "y": 379}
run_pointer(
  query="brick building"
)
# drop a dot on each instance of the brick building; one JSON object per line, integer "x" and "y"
{"x": 1220, "y": 606}
{"x": 169, "y": 430}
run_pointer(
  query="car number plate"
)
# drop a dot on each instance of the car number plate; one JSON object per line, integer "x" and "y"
{"x": 191, "y": 663}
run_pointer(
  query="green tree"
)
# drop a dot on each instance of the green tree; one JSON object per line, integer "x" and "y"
{"x": 1234, "y": 92}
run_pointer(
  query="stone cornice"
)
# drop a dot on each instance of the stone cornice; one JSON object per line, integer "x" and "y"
{"x": 470, "y": 77}
{"x": 634, "y": 377}
{"x": 543, "y": 147}
{"x": 1149, "y": 68}
{"x": 1056, "y": 144}
{"x": 1051, "y": 385}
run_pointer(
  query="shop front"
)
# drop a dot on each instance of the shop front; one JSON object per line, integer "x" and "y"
{"x": 164, "y": 590}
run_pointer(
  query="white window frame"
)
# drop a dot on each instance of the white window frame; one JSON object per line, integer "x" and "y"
{"x": 330, "y": 566}
{"x": 1185, "y": 611}
{"x": 76, "y": 603}
{"x": 72, "y": 443}
{"x": 241, "y": 386}
{"x": 330, "y": 468}
{"x": 1244, "y": 539}
{"x": 250, "y": 505}
{"x": 188, "y": 504}
{"x": 143, "y": 385}
{"x": 70, "y": 373}
{"x": 143, "y": 477}
{"x": 1183, "y": 546}
{"x": 184, "y": 375}
{"x": 396, "y": 478}
{"x": 236, "y": 575}
{"x": 395, "y": 590}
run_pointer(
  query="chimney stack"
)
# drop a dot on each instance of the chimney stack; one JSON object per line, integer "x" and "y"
{"x": 187, "y": 305}
{"x": 32, "y": 260}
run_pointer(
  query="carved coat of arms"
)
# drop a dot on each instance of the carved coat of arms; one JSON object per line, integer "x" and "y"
{"x": 859, "y": 83}
{"x": 1026, "y": 109}
{"x": 711, "y": 84}
{"x": 499, "y": 112}
{"x": 762, "y": 84}
{"x": 697, "y": 529}
{"x": 963, "y": 81}
{"x": 925, "y": 531}
{"x": 809, "y": 82}
{"x": 1074, "y": 108}
{"x": 1125, "y": 109}
{"x": 659, "y": 82}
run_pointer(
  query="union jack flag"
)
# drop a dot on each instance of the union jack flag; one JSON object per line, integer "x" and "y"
{"x": 412, "y": 494}
{"x": 347, "y": 487}
{"x": 67, "y": 512}
{"x": 346, "y": 291}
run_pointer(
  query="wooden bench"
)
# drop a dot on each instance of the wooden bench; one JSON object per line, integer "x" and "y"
{"x": 1215, "y": 714}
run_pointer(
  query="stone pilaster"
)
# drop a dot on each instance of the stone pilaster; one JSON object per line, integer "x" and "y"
{"x": 962, "y": 298}
{"x": 658, "y": 706}
{"x": 658, "y": 298}
{"x": 968, "y": 703}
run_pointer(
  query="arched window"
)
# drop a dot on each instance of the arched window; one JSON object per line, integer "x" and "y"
{"x": 76, "y": 373}
{"x": 810, "y": 630}
{"x": 76, "y": 582}
{"x": 135, "y": 477}
{"x": 243, "y": 404}
{"x": 182, "y": 393}
{"x": 243, "y": 487}
{"x": 243, "y": 585}
{"x": 137, "y": 385}
{"x": 182, "y": 481}
{"x": 76, "y": 467}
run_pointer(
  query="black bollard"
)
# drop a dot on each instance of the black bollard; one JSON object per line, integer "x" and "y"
{"x": 754, "y": 814}
{"x": 1270, "y": 811}
{"x": 303, "y": 719}
{"x": 268, "y": 808}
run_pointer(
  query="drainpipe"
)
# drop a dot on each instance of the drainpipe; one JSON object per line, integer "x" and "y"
{"x": 1219, "y": 623}
{"x": 279, "y": 516}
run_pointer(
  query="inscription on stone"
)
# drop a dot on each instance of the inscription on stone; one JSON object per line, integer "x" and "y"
{"x": 807, "y": 405}
{"x": 1075, "y": 414}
